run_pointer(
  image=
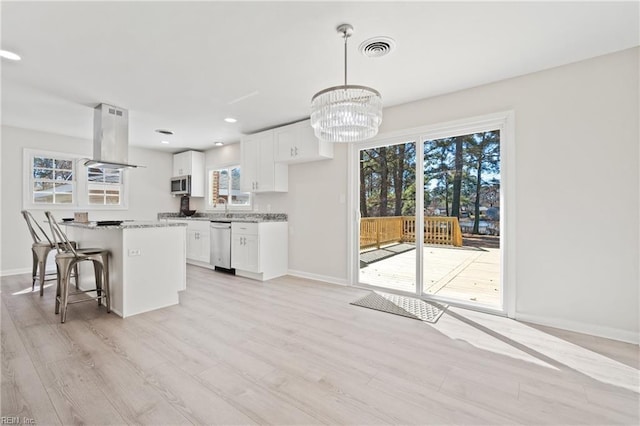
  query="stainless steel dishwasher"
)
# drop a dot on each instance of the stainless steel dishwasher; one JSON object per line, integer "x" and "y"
{"x": 220, "y": 233}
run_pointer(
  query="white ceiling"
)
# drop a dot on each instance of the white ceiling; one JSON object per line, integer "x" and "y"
{"x": 181, "y": 65}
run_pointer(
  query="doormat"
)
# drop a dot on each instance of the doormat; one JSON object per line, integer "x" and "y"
{"x": 409, "y": 307}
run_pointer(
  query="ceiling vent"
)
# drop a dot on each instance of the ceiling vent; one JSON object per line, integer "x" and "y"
{"x": 377, "y": 46}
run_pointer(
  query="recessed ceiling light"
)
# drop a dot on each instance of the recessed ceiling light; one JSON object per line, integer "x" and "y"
{"x": 230, "y": 120}
{"x": 164, "y": 132}
{"x": 165, "y": 142}
{"x": 219, "y": 143}
{"x": 9, "y": 55}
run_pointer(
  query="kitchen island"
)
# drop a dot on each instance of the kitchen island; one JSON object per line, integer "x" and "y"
{"x": 147, "y": 265}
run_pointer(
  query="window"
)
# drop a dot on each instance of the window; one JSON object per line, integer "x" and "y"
{"x": 52, "y": 180}
{"x": 224, "y": 184}
{"x": 55, "y": 180}
{"x": 104, "y": 186}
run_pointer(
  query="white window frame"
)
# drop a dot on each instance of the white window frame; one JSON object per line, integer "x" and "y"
{"x": 121, "y": 187}
{"x": 80, "y": 180}
{"x": 503, "y": 121}
{"x": 221, "y": 207}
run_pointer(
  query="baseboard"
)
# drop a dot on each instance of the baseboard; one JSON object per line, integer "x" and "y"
{"x": 318, "y": 277}
{"x": 10, "y": 272}
{"x": 579, "y": 327}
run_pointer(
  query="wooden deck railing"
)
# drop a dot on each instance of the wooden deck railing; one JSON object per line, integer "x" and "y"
{"x": 377, "y": 231}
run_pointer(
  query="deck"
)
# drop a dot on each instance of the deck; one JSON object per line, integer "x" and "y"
{"x": 470, "y": 274}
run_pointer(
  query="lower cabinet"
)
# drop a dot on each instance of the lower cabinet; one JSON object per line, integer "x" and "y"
{"x": 198, "y": 241}
{"x": 259, "y": 250}
{"x": 198, "y": 246}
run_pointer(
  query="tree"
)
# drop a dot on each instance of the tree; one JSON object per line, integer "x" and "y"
{"x": 398, "y": 178}
{"x": 457, "y": 177}
{"x": 384, "y": 180}
{"x": 363, "y": 187}
{"x": 387, "y": 180}
{"x": 484, "y": 156}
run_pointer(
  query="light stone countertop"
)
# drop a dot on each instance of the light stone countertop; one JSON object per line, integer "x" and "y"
{"x": 231, "y": 217}
{"x": 125, "y": 224}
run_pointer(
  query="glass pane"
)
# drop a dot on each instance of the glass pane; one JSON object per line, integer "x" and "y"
{"x": 112, "y": 192}
{"x": 43, "y": 197}
{"x": 64, "y": 198}
{"x": 235, "y": 178}
{"x": 63, "y": 187}
{"x": 240, "y": 198}
{"x": 388, "y": 222}
{"x": 64, "y": 164}
{"x": 95, "y": 177}
{"x": 43, "y": 162}
{"x": 224, "y": 181}
{"x": 111, "y": 200}
{"x": 96, "y": 199}
{"x": 462, "y": 218}
{"x": 43, "y": 173}
{"x": 64, "y": 175}
{"x": 43, "y": 186}
{"x": 112, "y": 177}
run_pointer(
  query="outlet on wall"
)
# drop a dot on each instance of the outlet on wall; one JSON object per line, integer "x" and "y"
{"x": 134, "y": 252}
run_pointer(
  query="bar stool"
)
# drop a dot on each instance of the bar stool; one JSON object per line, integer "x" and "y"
{"x": 40, "y": 250}
{"x": 68, "y": 258}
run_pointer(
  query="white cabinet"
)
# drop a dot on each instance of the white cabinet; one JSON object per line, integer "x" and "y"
{"x": 260, "y": 173}
{"x": 198, "y": 241}
{"x": 259, "y": 250}
{"x": 191, "y": 163}
{"x": 296, "y": 143}
{"x": 245, "y": 247}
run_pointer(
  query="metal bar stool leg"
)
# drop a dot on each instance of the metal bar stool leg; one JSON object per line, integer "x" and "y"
{"x": 97, "y": 268}
{"x": 57, "y": 311}
{"x": 41, "y": 252}
{"x": 34, "y": 269}
{"x": 105, "y": 264}
{"x": 65, "y": 265}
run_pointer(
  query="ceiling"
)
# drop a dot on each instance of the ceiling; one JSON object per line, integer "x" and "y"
{"x": 185, "y": 66}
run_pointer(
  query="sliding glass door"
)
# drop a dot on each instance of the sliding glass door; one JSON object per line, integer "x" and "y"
{"x": 387, "y": 244}
{"x": 462, "y": 218}
{"x": 431, "y": 215}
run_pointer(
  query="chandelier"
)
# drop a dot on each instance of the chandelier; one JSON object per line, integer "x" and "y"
{"x": 346, "y": 113}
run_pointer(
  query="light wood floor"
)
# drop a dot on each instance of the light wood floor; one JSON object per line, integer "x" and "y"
{"x": 293, "y": 351}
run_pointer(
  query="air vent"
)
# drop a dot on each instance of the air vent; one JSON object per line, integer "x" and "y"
{"x": 377, "y": 47}
{"x": 114, "y": 111}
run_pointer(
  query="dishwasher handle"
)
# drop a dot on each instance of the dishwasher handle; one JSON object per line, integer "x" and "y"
{"x": 216, "y": 225}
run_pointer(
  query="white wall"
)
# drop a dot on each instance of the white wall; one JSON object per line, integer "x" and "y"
{"x": 576, "y": 184}
{"x": 148, "y": 189}
{"x": 577, "y": 190}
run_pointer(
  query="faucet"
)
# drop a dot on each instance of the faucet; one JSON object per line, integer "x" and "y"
{"x": 226, "y": 206}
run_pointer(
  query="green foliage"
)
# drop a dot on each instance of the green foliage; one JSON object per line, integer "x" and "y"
{"x": 388, "y": 184}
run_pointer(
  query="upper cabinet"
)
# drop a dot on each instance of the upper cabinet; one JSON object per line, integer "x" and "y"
{"x": 191, "y": 163}
{"x": 260, "y": 173}
{"x": 296, "y": 143}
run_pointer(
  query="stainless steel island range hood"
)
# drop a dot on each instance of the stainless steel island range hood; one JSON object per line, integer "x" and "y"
{"x": 110, "y": 138}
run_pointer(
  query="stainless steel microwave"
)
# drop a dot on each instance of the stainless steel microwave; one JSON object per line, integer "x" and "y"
{"x": 181, "y": 185}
